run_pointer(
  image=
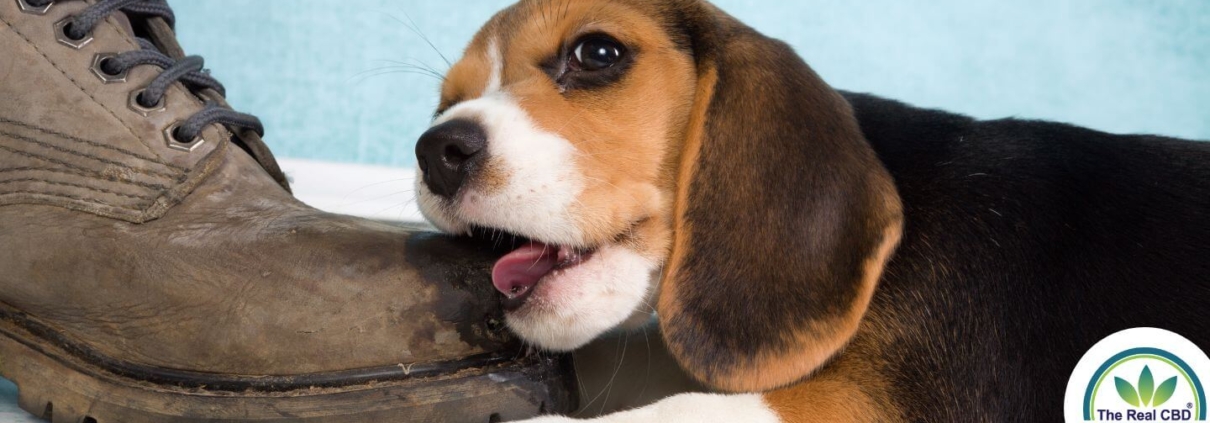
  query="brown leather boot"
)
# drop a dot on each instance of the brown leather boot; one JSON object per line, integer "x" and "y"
{"x": 155, "y": 268}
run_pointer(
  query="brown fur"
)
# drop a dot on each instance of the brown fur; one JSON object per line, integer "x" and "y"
{"x": 466, "y": 79}
{"x": 757, "y": 74}
{"x": 852, "y": 388}
{"x": 690, "y": 153}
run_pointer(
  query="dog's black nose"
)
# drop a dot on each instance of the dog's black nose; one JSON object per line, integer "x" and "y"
{"x": 447, "y": 153}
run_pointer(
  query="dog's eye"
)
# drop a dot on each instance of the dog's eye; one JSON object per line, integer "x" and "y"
{"x": 592, "y": 61}
{"x": 596, "y": 53}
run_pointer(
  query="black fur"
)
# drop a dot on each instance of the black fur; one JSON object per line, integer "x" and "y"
{"x": 1025, "y": 243}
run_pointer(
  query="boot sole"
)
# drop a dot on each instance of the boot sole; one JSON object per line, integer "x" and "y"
{"x": 64, "y": 382}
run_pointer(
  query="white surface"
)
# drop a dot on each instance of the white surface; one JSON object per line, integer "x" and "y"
{"x": 689, "y": 408}
{"x": 9, "y": 413}
{"x": 377, "y": 192}
{"x": 360, "y": 190}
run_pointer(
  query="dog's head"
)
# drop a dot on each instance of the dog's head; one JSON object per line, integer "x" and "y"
{"x": 644, "y": 149}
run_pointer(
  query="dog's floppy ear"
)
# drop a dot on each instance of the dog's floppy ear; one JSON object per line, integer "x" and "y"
{"x": 784, "y": 215}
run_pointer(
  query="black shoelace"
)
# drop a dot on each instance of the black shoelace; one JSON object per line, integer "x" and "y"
{"x": 188, "y": 70}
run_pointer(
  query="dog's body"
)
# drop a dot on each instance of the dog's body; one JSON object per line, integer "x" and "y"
{"x": 636, "y": 142}
{"x": 1025, "y": 243}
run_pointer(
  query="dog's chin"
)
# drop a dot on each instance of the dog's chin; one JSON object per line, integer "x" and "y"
{"x": 572, "y": 306}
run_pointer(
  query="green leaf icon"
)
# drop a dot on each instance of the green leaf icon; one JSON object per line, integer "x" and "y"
{"x": 1146, "y": 386}
{"x": 1164, "y": 392}
{"x": 1126, "y": 391}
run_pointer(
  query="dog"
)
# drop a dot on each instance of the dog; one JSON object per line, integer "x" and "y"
{"x": 810, "y": 255}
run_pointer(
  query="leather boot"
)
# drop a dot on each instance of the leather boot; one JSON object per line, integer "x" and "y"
{"x": 155, "y": 268}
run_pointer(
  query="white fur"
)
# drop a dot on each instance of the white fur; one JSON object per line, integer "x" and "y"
{"x": 571, "y": 307}
{"x": 690, "y": 408}
{"x": 435, "y": 209}
{"x": 494, "y": 59}
{"x": 542, "y": 183}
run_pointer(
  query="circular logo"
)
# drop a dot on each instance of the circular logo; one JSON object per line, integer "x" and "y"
{"x": 1139, "y": 375}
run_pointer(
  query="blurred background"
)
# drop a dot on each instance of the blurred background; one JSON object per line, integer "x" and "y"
{"x": 345, "y": 87}
{"x": 339, "y": 80}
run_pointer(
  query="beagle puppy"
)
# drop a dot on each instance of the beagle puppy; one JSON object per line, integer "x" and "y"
{"x": 811, "y": 255}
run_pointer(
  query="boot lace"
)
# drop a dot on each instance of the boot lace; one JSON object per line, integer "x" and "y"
{"x": 188, "y": 70}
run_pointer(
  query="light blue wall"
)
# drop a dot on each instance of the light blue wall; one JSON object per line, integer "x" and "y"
{"x": 318, "y": 72}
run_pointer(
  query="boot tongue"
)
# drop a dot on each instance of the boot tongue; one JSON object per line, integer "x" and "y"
{"x": 124, "y": 23}
{"x": 518, "y": 271}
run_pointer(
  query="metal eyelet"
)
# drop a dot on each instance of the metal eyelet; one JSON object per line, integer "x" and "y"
{"x": 141, "y": 109}
{"x": 98, "y": 60}
{"x": 175, "y": 144}
{"x": 61, "y": 35}
{"x": 34, "y": 10}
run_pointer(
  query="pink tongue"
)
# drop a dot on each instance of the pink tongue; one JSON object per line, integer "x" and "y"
{"x": 517, "y": 272}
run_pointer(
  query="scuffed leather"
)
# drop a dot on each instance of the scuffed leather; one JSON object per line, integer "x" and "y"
{"x": 199, "y": 260}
